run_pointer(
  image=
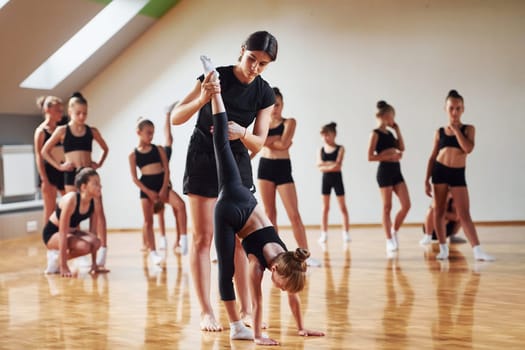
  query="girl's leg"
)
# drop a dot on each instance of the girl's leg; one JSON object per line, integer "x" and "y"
{"x": 324, "y": 218}
{"x": 201, "y": 211}
{"x": 428, "y": 227}
{"x": 288, "y": 196}
{"x": 162, "y": 229}
{"x": 462, "y": 202}
{"x": 49, "y": 197}
{"x": 346, "y": 219}
{"x": 76, "y": 247}
{"x": 179, "y": 211}
{"x": 386, "y": 196}
{"x": 440, "y": 192}
{"x": 267, "y": 189}
{"x": 94, "y": 244}
{"x": 147, "y": 230}
{"x": 401, "y": 191}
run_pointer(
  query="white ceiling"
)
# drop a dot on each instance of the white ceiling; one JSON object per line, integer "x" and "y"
{"x": 32, "y": 30}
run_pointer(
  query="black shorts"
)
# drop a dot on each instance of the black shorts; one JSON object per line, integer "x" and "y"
{"x": 49, "y": 230}
{"x": 389, "y": 174}
{"x": 54, "y": 176}
{"x": 333, "y": 180}
{"x": 200, "y": 174}
{"x": 454, "y": 177}
{"x": 153, "y": 182}
{"x": 69, "y": 177}
{"x": 278, "y": 171}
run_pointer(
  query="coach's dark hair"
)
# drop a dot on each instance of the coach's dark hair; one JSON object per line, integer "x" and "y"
{"x": 83, "y": 176}
{"x": 455, "y": 95}
{"x": 330, "y": 127}
{"x": 262, "y": 41}
{"x": 383, "y": 107}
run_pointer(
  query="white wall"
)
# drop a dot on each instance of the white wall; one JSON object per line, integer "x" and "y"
{"x": 336, "y": 59}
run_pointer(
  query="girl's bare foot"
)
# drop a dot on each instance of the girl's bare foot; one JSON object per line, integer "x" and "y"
{"x": 210, "y": 324}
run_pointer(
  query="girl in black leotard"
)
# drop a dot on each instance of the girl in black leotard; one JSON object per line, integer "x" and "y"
{"x": 237, "y": 212}
{"x": 446, "y": 167}
{"x": 387, "y": 149}
{"x": 154, "y": 183}
{"x": 51, "y": 179}
{"x": 61, "y": 233}
{"x": 330, "y": 162}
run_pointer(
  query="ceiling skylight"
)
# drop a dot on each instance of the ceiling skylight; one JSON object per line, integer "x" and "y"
{"x": 3, "y": 2}
{"x": 83, "y": 44}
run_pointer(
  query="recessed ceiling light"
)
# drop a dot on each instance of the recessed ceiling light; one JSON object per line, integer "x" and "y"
{"x": 83, "y": 44}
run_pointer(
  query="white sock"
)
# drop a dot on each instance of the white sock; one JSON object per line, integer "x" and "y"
{"x": 427, "y": 239}
{"x": 52, "y": 261}
{"x": 443, "y": 252}
{"x": 323, "y": 237}
{"x": 346, "y": 236}
{"x": 183, "y": 242}
{"x": 101, "y": 256}
{"x": 239, "y": 331}
{"x": 390, "y": 245}
{"x": 479, "y": 254}
{"x": 208, "y": 66}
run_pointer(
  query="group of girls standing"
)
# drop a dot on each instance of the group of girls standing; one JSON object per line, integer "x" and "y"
{"x": 445, "y": 175}
{"x": 65, "y": 165}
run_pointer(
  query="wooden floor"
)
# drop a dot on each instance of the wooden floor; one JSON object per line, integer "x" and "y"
{"x": 361, "y": 299}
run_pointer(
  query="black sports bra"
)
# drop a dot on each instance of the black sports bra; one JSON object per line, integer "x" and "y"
{"x": 47, "y": 136}
{"x": 278, "y": 130}
{"x": 255, "y": 242}
{"x": 385, "y": 141}
{"x": 78, "y": 143}
{"x": 77, "y": 217}
{"x": 332, "y": 156}
{"x": 143, "y": 159}
{"x": 449, "y": 141}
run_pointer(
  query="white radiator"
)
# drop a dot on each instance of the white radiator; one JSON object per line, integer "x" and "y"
{"x": 18, "y": 173}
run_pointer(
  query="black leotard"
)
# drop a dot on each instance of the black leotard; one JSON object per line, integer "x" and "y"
{"x": 233, "y": 208}
{"x": 78, "y": 143}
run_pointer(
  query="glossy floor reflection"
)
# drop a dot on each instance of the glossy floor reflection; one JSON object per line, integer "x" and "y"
{"x": 360, "y": 298}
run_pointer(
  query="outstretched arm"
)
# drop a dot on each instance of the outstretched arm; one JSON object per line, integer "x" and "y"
{"x": 295, "y": 307}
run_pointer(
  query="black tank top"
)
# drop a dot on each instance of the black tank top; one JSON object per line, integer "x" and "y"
{"x": 449, "y": 141}
{"x": 278, "y": 130}
{"x": 255, "y": 242}
{"x": 78, "y": 143}
{"x": 77, "y": 217}
{"x": 332, "y": 156}
{"x": 143, "y": 159}
{"x": 385, "y": 141}
{"x": 242, "y": 102}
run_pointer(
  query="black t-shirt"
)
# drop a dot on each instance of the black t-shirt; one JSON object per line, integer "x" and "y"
{"x": 242, "y": 102}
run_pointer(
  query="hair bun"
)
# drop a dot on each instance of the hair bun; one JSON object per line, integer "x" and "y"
{"x": 333, "y": 124}
{"x": 301, "y": 254}
{"x": 381, "y": 104}
{"x": 77, "y": 95}
{"x": 453, "y": 93}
